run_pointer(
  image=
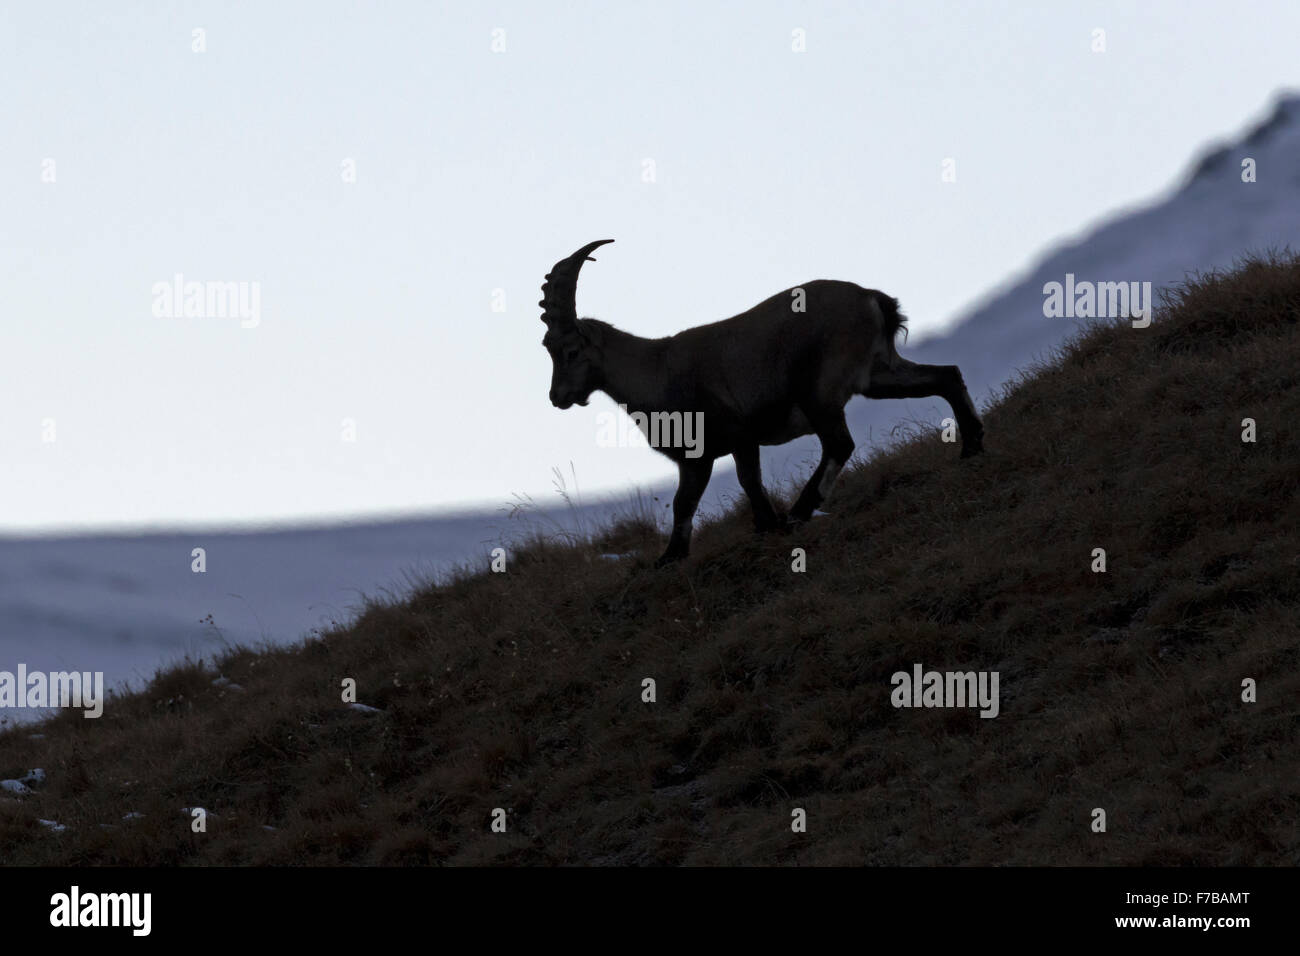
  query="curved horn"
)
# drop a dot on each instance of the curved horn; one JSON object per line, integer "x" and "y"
{"x": 559, "y": 291}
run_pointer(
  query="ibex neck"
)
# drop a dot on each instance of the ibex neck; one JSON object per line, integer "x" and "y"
{"x": 632, "y": 367}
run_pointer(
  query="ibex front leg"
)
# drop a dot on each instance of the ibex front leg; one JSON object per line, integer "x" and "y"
{"x": 837, "y": 448}
{"x": 693, "y": 478}
{"x": 750, "y": 473}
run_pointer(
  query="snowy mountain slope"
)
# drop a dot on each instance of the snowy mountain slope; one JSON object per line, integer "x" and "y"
{"x": 125, "y": 605}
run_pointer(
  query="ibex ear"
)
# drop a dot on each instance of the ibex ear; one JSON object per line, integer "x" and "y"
{"x": 559, "y": 291}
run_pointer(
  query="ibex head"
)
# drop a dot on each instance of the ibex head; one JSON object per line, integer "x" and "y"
{"x": 575, "y": 371}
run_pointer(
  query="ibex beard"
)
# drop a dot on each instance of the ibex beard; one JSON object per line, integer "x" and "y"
{"x": 764, "y": 377}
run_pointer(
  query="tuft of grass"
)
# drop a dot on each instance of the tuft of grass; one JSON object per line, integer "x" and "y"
{"x": 523, "y": 690}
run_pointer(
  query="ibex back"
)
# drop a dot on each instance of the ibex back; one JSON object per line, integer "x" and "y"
{"x": 763, "y": 377}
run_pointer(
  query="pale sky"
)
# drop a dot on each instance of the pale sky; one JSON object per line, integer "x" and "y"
{"x": 129, "y": 158}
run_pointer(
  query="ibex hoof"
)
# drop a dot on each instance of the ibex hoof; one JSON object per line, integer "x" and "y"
{"x": 668, "y": 557}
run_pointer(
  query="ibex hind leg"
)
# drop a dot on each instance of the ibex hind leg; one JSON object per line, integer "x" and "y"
{"x": 837, "y": 448}
{"x": 904, "y": 379}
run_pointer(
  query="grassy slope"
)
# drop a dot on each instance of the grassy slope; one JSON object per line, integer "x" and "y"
{"x": 1119, "y": 690}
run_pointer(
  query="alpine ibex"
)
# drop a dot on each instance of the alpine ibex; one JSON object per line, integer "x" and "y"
{"x": 763, "y": 377}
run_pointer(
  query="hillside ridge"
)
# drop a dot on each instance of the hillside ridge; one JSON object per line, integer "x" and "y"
{"x": 524, "y": 691}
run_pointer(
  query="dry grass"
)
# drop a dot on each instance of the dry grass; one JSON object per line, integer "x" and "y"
{"x": 523, "y": 690}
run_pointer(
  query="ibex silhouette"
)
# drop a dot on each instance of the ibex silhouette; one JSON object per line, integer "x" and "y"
{"x": 763, "y": 377}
